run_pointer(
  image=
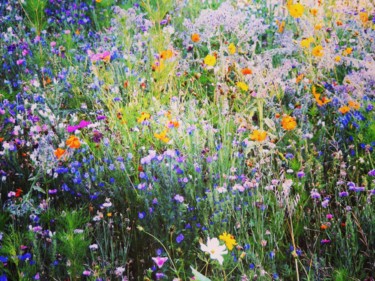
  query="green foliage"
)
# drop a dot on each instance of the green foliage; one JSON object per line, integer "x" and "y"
{"x": 35, "y": 14}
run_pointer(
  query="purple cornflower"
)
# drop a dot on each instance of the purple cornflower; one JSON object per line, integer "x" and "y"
{"x": 314, "y": 194}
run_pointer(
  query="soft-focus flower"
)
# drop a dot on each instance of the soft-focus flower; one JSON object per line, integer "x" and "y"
{"x": 344, "y": 109}
{"x": 258, "y": 135}
{"x": 363, "y": 16}
{"x": 288, "y": 123}
{"x": 320, "y": 101}
{"x": 160, "y": 261}
{"x": 246, "y": 71}
{"x": 73, "y": 142}
{"x": 295, "y": 10}
{"x": 318, "y": 51}
{"x": 210, "y": 60}
{"x": 162, "y": 136}
{"x": 144, "y": 116}
{"x": 167, "y": 54}
{"x": 214, "y": 249}
{"x": 347, "y": 51}
{"x": 231, "y": 49}
{"x": 354, "y": 104}
{"x": 305, "y": 43}
{"x": 242, "y": 86}
{"x": 229, "y": 240}
{"x": 59, "y": 152}
{"x": 195, "y": 38}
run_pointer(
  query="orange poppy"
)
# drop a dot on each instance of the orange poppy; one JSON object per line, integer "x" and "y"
{"x": 195, "y": 38}
{"x": 59, "y": 152}
{"x": 73, "y": 142}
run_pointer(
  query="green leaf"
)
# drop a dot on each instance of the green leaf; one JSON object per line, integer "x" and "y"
{"x": 199, "y": 276}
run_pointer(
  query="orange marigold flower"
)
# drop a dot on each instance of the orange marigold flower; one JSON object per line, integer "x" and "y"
{"x": 288, "y": 123}
{"x": 73, "y": 142}
{"x": 195, "y": 38}
{"x": 347, "y": 51}
{"x": 314, "y": 11}
{"x": 354, "y": 104}
{"x": 167, "y": 54}
{"x": 324, "y": 227}
{"x": 246, "y": 71}
{"x": 344, "y": 109}
{"x": 318, "y": 51}
{"x": 363, "y": 16}
{"x": 1, "y": 139}
{"x": 258, "y": 135}
{"x": 59, "y": 152}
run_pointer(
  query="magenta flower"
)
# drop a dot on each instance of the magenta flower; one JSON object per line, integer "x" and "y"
{"x": 159, "y": 261}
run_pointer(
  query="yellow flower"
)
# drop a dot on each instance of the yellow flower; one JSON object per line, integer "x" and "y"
{"x": 242, "y": 86}
{"x": 354, "y": 104}
{"x": 305, "y": 43}
{"x": 363, "y": 16}
{"x": 288, "y": 123}
{"x": 337, "y": 58}
{"x": 162, "y": 136}
{"x": 314, "y": 11}
{"x": 258, "y": 135}
{"x": 231, "y": 48}
{"x": 229, "y": 240}
{"x": 318, "y": 51}
{"x": 344, "y": 109}
{"x": 144, "y": 116}
{"x": 167, "y": 54}
{"x": 347, "y": 51}
{"x": 98, "y": 1}
{"x": 318, "y": 26}
{"x": 296, "y": 10}
{"x": 210, "y": 60}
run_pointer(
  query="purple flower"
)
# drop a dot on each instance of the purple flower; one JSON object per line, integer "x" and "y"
{"x": 178, "y": 198}
{"x": 344, "y": 194}
{"x": 83, "y": 124}
{"x": 300, "y": 174}
{"x": 325, "y": 241}
{"x": 86, "y": 273}
{"x": 71, "y": 129}
{"x": 325, "y": 203}
{"x": 314, "y": 194}
{"x": 180, "y": 238}
{"x": 21, "y": 61}
{"x": 372, "y": 173}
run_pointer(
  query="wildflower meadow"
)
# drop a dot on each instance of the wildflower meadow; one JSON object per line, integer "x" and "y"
{"x": 187, "y": 140}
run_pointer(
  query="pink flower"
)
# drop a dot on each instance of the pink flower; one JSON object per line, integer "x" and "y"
{"x": 159, "y": 261}
{"x": 19, "y": 62}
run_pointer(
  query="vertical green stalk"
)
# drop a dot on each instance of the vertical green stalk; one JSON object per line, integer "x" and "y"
{"x": 260, "y": 112}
